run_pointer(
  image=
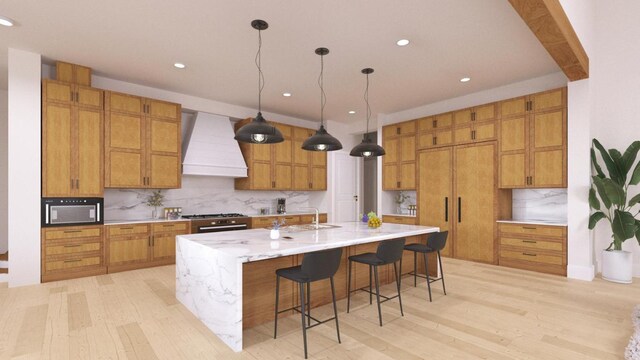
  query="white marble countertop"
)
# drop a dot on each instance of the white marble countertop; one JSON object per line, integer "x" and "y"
{"x": 255, "y": 244}
{"x": 287, "y": 214}
{"x": 403, "y": 215}
{"x": 138, "y": 221}
{"x": 535, "y": 222}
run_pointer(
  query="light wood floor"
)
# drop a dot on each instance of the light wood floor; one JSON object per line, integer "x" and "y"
{"x": 489, "y": 313}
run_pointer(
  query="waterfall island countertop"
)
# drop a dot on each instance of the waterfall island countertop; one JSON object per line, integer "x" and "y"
{"x": 209, "y": 266}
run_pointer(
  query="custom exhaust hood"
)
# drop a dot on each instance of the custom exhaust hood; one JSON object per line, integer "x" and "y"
{"x": 210, "y": 149}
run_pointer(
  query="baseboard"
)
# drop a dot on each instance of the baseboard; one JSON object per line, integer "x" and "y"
{"x": 577, "y": 272}
{"x": 4, "y": 278}
{"x": 4, "y": 264}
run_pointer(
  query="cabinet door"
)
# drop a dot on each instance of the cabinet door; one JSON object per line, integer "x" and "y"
{"x": 282, "y": 150}
{"x": 319, "y": 178}
{"x": 513, "y": 107}
{"x": 164, "y": 172}
{"x": 548, "y": 100}
{"x": 300, "y": 156}
{"x": 125, "y": 153}
{"x": 301, "y": 179}
{"x": 319, "y": 158}
{"x": 435, "y": 192}
{"x": 513, "y": 147}
{"x": 260, "y": 173}
{"x": 163, "y": 110}
{"x": 261, "y": 152}
{"x": 462, "y": 117}
{"x": 89, "y": 97}
{"x": 90, "y": 163}
{"x": 130, "y": 250}
{"x": 463, "y": 134}
{"x": 123, "y": 103}
{"x": 164, "y": 154}
{"x": 282, "y": 176}
{"x": 390, "y": 177}
{"x": 57, "y": 177}
{"x": 474, "y": 171}
{"x": 548, "y": 149}
{"x": 164, "y": 246}
{"x": 485, "y": 131}
{"x": 484, "y": 112}
{"x": 408, "y": 176}
{"x": 57, "y": 91}
{"x": 391, "y": 149}
{"x": 407, "y": 148}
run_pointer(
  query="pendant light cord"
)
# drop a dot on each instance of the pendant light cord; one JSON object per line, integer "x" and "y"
{"x": 366, "y": 100}
{"x": 260, "y": 75}
{"x": 323, "y": 96}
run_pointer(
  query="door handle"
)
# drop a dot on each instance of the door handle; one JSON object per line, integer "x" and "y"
{"x": 72, "y": 183}
{"x": 446, "y": 209}
{"x": 77, "y": 183}
{"x": 77, "y": 97}
{"x": 149, "y": 241}
{"x": 459, "y": 209}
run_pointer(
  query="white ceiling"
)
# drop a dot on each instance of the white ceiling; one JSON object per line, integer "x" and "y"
{"x": 138, "y": 41}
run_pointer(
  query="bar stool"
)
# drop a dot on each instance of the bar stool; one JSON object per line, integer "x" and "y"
{"x": 435, "y": 243}
{"x": 315, "y": 266}
{"x": 388, "y": 252}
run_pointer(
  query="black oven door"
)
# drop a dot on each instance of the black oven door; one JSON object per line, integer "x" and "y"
{"x": 219, "y": 228}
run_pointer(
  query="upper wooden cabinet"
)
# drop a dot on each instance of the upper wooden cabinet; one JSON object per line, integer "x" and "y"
{"x": 72, "y": 140}
{"x": 399, "y": 142}
{"x": 142, "y": 142}
{"x": 435, "y": 131}
{"x": 533, "y": 141}
{"x": 73, "y": 73}
{"x": 283, "y": 166}
{"x": 476, "y": 124}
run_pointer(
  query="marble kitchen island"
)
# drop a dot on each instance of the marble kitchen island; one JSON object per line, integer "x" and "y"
{"x": 220, "y": 274}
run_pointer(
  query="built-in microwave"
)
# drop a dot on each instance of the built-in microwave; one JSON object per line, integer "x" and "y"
{"x": 72, "y": 211}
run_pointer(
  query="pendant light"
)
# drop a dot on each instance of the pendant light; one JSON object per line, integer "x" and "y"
{"x": 321, "y": 140}
{"x": 259, "y": 131}
{"x": 366, "y": 148}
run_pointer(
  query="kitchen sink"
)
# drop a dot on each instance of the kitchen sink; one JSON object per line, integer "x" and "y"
{"x": 307, "y": 227}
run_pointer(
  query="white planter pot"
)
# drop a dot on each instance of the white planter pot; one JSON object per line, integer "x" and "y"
{"x": 617, "y": 266}
{"x": 274, "y": 234}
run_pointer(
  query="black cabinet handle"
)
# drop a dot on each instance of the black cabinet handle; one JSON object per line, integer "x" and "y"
{"x": 446, "y": 209}
{"x": 459, "y": 209}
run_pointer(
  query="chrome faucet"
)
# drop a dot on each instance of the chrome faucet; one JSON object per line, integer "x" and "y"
{"x": 316, "y": 222}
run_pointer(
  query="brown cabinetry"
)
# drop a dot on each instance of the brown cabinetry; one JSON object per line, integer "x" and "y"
{"x": 139, "y": 245}
{"x": 72, "y": 138}
{"x": 435, "y": 131}
{"x": 73, "y": 73}
{"x": 283, "y": 166}
{"x": 534, "y": 247}
{"x": 533, "y": 141}
{"x": 399, "y": 163}
{"x": 267, "y": 221}
{"x": 142, "y": 142}
{"x": 475, "y": 124}
{"x": 72, "y": 252}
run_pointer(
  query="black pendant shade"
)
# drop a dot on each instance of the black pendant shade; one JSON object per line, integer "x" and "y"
{"x": 321, "y": 140}
{"x": 366, "y": 148}
{"x": 259, "y": 131}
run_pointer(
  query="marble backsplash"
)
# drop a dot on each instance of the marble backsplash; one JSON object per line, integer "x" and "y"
{"x": 199, "y": 195}
{"x": 540, "y": 204}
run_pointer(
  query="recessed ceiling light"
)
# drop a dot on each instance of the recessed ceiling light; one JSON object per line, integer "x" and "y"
{"x": 5, "y": 21}
{"x": 180, "y": 65}
{"x": 465, "y": 79}
{"x": 286, "y": 94}
{"x": 402, "y": 42}
{"x": 352, "y": 112}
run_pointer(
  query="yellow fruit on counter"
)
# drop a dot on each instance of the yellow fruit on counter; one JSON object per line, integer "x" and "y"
{"x": 374, "y": 222}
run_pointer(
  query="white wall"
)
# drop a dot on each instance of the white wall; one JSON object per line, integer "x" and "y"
{"x": 3, "y": 172}
{"x": 24, "y": 167}
{"x": 616, "y": 90}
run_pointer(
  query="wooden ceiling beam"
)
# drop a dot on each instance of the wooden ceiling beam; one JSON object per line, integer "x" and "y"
{"x": 550, "y": 24}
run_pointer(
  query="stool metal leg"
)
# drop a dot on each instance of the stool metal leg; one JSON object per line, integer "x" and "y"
{"x": 275, "y": 329}
{"x": 441, "y": 273}
{"x": 349, "y": 288}
{"x": 304, "y": 327}
{"x": 335, "y": 308}
{"x": 375, "y": 271}
{"x": 415, "y": 269}
{"x": 370, "y": 295}
{"x": 426, "y": 271}
{"x": 309, "y": 303}
{"x": 395, "y": 272}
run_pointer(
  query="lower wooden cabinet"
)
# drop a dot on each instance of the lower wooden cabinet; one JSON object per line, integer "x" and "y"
{"x": 267, "y": 221}
{"x": 539, "y": 248}
{"x": 72, "y": 252}
{"x": 134, "y": 246}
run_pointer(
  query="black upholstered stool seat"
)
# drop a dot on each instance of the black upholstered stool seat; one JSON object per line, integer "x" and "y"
{"x": 421, "y": 248}
{"x": 388, "y": 252}
{"x": 293, "y": 273}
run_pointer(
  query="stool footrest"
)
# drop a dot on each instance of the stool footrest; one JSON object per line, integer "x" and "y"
{"x": 366, "y": 289}
{"x": 317, "y": 322}
{"x": 430, "y": 278}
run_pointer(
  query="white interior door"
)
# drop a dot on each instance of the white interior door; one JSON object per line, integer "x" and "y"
{"x": 346, "y": 175}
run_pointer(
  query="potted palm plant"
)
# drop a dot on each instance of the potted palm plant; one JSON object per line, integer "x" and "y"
{"x": 609, "y": 199}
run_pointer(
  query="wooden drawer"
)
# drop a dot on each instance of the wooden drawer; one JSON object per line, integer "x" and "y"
{"x": 536, "y": 230}
{"x": 323, "y": 218}
{"x": 308, "y": 219}
{"x": 65, "y": 249}
{"x": 72, "y": 233}
{"x": 179, "y": 226}
{"x": 532, "y": 244}
{"x": 290, "y": 219}
{"x": 262, "y": 222}
{"x": 532, "y": 256}
{"x": 123, "y": 230}
{"x": 399, "y": 219}
{"x": 75, "y": 263}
